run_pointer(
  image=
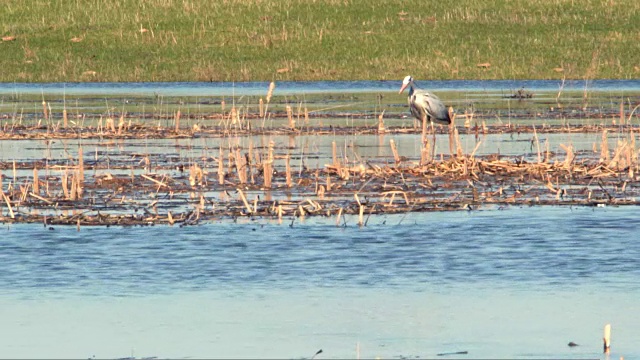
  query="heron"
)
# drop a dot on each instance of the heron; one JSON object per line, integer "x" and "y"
{"x": 424, "y": 105}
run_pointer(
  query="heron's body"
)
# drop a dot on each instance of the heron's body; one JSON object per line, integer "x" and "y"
{"x": 425, "y": 105}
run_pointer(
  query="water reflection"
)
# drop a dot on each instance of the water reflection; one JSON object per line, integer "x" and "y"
{"x": 310, "y": 150}
{"x": 275, "y": 323}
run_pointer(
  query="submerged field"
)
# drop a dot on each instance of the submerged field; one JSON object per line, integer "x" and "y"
{"x": 134, "y": 159}
{"x": 239, "y": 40}
{"x": 519, "y": 218}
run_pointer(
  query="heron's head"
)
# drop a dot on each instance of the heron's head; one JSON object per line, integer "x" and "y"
{"x": 407, "y": 80}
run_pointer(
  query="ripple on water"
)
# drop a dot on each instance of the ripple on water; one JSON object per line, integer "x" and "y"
{"x": 505, "y": 248}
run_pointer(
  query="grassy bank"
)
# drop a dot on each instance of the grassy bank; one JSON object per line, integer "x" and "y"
{"x": 241, "y": 40}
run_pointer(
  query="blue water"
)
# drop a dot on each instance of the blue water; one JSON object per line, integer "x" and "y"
{"x": 507, "y": 249}
{"x": 306, "y": 87}
{"x": 519, "y": 282}
{"x": 512, "y": 283}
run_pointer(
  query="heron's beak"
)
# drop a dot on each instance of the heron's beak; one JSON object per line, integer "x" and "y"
{"x": 404, "y": 86}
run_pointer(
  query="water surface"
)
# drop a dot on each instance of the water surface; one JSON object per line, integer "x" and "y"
{"x": 309, "y": 87}
{"x": 519, "y": 282}
{"x": 509, "y": 283}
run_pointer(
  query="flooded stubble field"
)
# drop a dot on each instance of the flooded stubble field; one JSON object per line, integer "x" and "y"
{"x": 120, "y": 157}
{"x": 228, "y": 220}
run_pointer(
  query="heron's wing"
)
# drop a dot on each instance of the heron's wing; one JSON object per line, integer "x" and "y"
{"x": 433, "y": 106}
{"x": 417, "y": 110}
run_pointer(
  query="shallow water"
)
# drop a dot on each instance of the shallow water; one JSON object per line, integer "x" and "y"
{"x": 309, "y": 87}
{"x": 314, "y": 150}
{"x": 520, "y": 282}
{"x": 512, "y": 283}
{"x": 328, "y": 103}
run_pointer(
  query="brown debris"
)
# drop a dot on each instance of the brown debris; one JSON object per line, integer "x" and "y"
{"x": 229, "y": 181}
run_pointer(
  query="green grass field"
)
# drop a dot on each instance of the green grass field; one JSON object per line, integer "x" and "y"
{"x": 242, "y": 40}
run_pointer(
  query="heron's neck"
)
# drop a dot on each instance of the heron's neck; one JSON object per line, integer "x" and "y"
{"x": 412, "y": 88}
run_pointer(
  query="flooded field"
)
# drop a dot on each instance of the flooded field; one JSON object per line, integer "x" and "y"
{"x": 120, "y": 156}
{"x": 318, "y": 216}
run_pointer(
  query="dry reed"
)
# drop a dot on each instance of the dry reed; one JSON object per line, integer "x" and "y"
{"x": 434, "y": 182}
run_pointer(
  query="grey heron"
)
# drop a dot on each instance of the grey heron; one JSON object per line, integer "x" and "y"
{"x": 424, "y": 105}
